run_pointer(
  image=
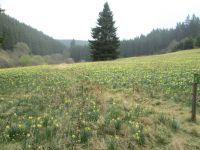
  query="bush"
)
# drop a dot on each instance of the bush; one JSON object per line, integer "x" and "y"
{"x": 37, "y": 60}
{"x": 188, "y": 43}
{"x": 55, "y": 59}
{"x": 175, "y": 124}
{"x": 21, "y": 57}
{"x": 184, "y": 44}
{"x": 69, "y": 60}
{"x": 6, "y": 59}
{"x": 4, "y": 63}
{"x": 25, "y": 60}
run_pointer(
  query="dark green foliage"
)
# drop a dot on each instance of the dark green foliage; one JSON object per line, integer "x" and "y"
{"x": 1, "y": 40}
{"x": 67, "y": 43}
{"x": 105, "y": 43}
{"x": 197, "y": 42}
{"x": 174, "y": 124}
{"x": 85, "y": 135}
{"x": 112, "y": 145}
{"x": 188, "y": 44}
{"x": 184, "y": 44}
{"x": 13, "y": 31}
{"x": 160, "y": 40}
{"x": 78, "y": 52}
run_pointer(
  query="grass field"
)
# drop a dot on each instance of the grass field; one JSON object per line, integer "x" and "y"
{"x": 133, "y": 103}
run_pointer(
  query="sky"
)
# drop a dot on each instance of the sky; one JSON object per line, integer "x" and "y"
{"x": 73, "y": 19}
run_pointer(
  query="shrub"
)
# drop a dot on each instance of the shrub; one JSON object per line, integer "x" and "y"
{"x": 55, "y": 59}
{"x": 4, "y": 62}
{"x": 25, "y": 60}
{"x": 187, "y": 43}
{"x": 37, "y": 60}
{"x": 112, "y": 145}
{"x": 69, "y": 60}
{"x": 6, "y": 59}
{"x": 174, "y": 124}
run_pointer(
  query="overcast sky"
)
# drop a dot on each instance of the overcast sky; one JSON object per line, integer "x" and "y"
{"x": 67, "y": 19}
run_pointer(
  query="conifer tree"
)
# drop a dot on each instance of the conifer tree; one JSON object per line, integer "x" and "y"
{"x": 105, "y": 43}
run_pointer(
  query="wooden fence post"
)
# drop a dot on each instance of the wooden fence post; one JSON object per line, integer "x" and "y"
{"x": 194, "y": 101}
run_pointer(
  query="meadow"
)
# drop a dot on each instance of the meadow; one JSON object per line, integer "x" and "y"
{"x": 133, "y": 103}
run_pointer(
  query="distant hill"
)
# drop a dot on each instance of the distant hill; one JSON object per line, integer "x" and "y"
{"x": 67, "y": 42}
{"x": 14, "y": 31}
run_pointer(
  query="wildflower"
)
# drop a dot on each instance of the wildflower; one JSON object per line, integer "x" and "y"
{"x": 39, "y": 125}
{"x": 38, "y": 118}
{"x": 7, "y": 127}
{"x": 30, "y": 117}
{"x": 116, "y": 137}
{"x": 73, "y": 136}
{"x": 136, "y": 125}
{"x": 20, "y": 126}
{"x": 67, "y": 101}
{"x": 29, "y": 146}
{"x": 28, "y": 135}
{"x": 87, "y": 129}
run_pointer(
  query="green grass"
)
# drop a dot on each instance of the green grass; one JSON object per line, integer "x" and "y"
{"x": 133, "y": 103}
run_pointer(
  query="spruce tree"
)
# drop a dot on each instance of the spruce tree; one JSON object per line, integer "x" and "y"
{"x": 105, "y": 43}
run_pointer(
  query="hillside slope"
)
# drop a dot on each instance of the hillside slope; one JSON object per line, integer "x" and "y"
{"x": 13, "y": 31}
{"x": 134, "y": 103}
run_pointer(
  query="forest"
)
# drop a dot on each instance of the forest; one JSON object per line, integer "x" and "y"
{"x": 186, "y": 35}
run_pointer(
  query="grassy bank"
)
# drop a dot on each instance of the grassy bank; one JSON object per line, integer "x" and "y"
{"x": 133, "y": 103}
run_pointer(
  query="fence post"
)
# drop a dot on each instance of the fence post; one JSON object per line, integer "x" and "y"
{"x": 194, "y": 101}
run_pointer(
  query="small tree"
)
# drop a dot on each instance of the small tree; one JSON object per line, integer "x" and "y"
{"x": 105, "y": 43}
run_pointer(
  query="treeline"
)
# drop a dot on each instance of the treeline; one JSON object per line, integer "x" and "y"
{"x": 12, "y": 31}
{"x": 67, "y": 42}
{"x": 78, "y": 49}
{"x": 164, "y": 40}
{"x": 79, "y": 52}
